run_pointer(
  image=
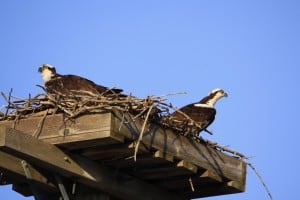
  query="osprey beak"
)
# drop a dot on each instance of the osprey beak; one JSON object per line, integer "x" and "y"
{"x": 225, "y": 94}
{"x": 40, "y": 69}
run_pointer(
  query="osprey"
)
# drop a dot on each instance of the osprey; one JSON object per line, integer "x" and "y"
{"x": 71, "y": 84}
{"x": 195, "y": 117}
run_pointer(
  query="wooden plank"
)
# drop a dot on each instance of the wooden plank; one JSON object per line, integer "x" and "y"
{"x": 84, "y": 131}
{"x": 75, "y": 167}
{"x": 87, "y": 139}
{"x": 184, "y": 148}
{"x": 11, "y": 165}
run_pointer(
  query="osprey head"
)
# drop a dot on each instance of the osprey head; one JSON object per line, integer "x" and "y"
{"x": 212, "y": 98}
{"x": 47, "y": 71}
{"x": 218, "y": 93}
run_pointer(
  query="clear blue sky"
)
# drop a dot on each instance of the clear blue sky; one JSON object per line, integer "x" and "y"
{"x": 251, "y": 49}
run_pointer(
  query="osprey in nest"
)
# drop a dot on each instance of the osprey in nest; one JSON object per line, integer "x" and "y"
{"x": 195, "y": 117}
{"x": 71, "y": 84}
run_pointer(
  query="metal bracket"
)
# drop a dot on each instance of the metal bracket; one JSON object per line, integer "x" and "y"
{"x": 61, "y": 187}
{"x": 37, "y": 194}
{"x": 26, "y": 169}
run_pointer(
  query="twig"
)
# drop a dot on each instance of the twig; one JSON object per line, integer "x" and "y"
{"x": 142, "y": 132}
{"x": 43, "y": 88}
{"x": 216, "y": 146}
{"x": 170, "y": 94}
{"x": 8, "y": 102}
{"x": 16, "y": 121}
{"x": 122, "y": 121}
{"x": 207, "y": 131}
{"x": 261, "y": 180}
{"x": 38, "y": 131}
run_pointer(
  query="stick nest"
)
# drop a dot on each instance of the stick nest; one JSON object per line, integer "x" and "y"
{"x": 151, "y": 109}
{"x": 78, "y": 103}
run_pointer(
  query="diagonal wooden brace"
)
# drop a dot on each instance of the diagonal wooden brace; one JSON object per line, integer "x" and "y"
{"x": 75, "y": 167}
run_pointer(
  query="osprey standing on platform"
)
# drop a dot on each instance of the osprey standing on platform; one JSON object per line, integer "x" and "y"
{"x": 202, "y": 113}
{"x": 71, "y": 84}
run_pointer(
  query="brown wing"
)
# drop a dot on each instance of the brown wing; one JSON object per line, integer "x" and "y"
{"x": 198, "y": 114}
{"x": 204, "y": 116}
{"x": 64, "y": 84}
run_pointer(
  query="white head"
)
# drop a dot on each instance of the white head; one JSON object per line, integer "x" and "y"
{"x": 215, "y": 95}
{"x": 47, "y": 71}
{"x": 212, "y": 98}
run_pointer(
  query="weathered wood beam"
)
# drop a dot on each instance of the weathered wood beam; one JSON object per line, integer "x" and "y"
{"x": 83, "y": 170}
{"x": 214, "y": 167}
{"x": 183, "y": 148}
{"x": 93, "y": 130}
{"x": 12, "y": 166}
{"x": 85, "y": 131}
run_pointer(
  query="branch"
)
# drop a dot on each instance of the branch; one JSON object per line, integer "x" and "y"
{"x": 8, "y": 102}
{"x": 142, "y": 132}
{"x": 261, "y": 180}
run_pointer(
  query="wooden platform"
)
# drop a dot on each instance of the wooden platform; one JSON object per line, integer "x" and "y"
{"x": 93, "y": 156}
